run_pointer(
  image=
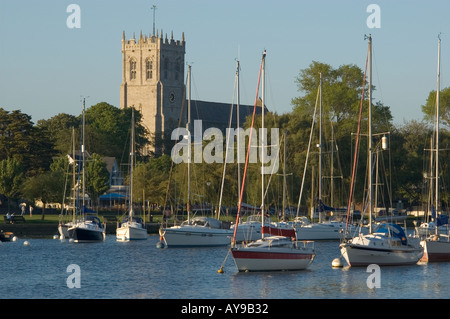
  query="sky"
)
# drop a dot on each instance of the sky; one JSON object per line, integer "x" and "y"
{"x": 46, "y": 68}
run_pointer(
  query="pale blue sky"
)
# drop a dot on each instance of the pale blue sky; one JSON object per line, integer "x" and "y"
{"x": 45, "y": 67}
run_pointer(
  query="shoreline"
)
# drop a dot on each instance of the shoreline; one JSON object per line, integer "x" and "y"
{"x": 48, "y": 230}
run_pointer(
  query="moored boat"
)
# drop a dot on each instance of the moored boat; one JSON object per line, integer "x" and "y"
{"x": 197, "y": 232}
{"x": 274, "y": 253}
{"x": 269, "y": 253}
{"x": 388, "y": 243}
{"x": 437, "y": 245}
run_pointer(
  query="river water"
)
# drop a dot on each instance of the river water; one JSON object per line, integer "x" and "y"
{"x": 55, "y": 269}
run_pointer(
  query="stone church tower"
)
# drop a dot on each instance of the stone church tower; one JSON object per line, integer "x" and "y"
{"x": 153, "y": 81}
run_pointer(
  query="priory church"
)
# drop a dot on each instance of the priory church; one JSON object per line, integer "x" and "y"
{"x": 153, "y": 74}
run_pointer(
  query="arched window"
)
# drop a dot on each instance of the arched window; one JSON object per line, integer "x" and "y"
{"x": 148, "y": 69}
{"x": 132, "y": 69}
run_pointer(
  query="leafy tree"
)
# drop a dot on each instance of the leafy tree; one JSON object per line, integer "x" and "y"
{"x": 25, "y": 142}
{"x": 429, "y": 109}
{"x": 11, "y": 177}
{"x": 46, "y": 187}
{"x": 341, "y": 102}
{"x": 108, "y": 131}
{"x": 97, "y": 177}
{"x": 59, "y": 130}
{"x": 151, "y": 179}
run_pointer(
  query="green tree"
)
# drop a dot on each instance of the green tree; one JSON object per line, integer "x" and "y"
{"x": 429, "y": 109}
{"x": 11, "y": 177}
{"x": 59, "y": 130}
{"x": 20, "y": 139}
{"x": 341, "y": 102}
{"x": 108, "y": 131}
{"x": 151, "y": 179}
{"x": 97, "y": 177}
{"x": 46, "y": 187}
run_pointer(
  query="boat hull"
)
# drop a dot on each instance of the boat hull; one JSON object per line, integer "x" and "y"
{"x": 273, "y": 253}
{"x": 80, "y": 234}
{"x": 271, "y": 259}
{"x": 360, "y": 255}
{"x": 435, "y": 250}
{"x": 131, "y": 232}
{"x": 6, "y": 236}
{"x": 177, "y": 236}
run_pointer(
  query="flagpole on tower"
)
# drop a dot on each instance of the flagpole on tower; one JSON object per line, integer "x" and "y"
{"x": 154, "y": 10}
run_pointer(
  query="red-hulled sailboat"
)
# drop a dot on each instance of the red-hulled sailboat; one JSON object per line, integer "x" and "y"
{"x": 271, "y": 252}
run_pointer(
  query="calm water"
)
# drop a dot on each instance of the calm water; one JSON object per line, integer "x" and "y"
{"x": 139, "y": 270}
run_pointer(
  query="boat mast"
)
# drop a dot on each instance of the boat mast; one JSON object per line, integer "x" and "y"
{"x": 369, "y": 144}
{"x": 83, "y": 159}
{"x": 131, "y": 163}
{"x": 320, "y": 148}
{"x": 188, "y": 126}
{"x": 237, "y": 128}
{"x": 284, "y": 178}
{"x": 263, "y": 142}
{"x": 74, "y": 193}
{"x": 436, "y": 192}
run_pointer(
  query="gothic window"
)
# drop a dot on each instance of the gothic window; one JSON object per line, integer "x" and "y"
{"x": 132, "y": 69}
{"x": 148, "y": 69}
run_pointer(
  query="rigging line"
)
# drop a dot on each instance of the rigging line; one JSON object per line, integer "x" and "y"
{"x": 350, "y": 197}
{"x": 307, "y": 153}
{"x": 272, "y": 172}
{"x": 171, "y": 162}
{"x": 247, "y": 156}
{"x": 378, "y": 75}
{"x": 227, "y": 146}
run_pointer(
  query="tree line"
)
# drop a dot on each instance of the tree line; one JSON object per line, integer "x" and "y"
{"x": 34, "y": 163}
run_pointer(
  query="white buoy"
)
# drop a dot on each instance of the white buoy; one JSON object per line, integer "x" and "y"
{"x": 26, "y": 243}
{"x": 55, "y": 236}
{"x": 71, "y": 240}
{"x": 337, "y": 262}
{"x": 14, "y": 238}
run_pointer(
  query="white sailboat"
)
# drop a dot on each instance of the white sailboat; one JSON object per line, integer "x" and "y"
{"x": 86, "y": 227}
{"x": 132, "y": 227}
{"x": 388, "y": 244}
{"x": 64, "y": 223}
{"x": 197, "y": 231}
{"x": 269, "y": 253}
{"x": 437, "y": 245}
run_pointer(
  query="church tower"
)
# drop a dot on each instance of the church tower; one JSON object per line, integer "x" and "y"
{"x": 153, "y": 81}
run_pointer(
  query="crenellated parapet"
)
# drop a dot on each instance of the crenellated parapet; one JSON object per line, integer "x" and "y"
{"x": 152, "y": 41}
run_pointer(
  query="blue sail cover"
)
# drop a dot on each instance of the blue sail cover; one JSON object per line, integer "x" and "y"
{"x": 395, "y": 231}
{"x": 321, "y": 207}
{"x": 440, "y": 219}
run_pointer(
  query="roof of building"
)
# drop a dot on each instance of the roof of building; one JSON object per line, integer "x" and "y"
{"x": 216, "y": 114}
